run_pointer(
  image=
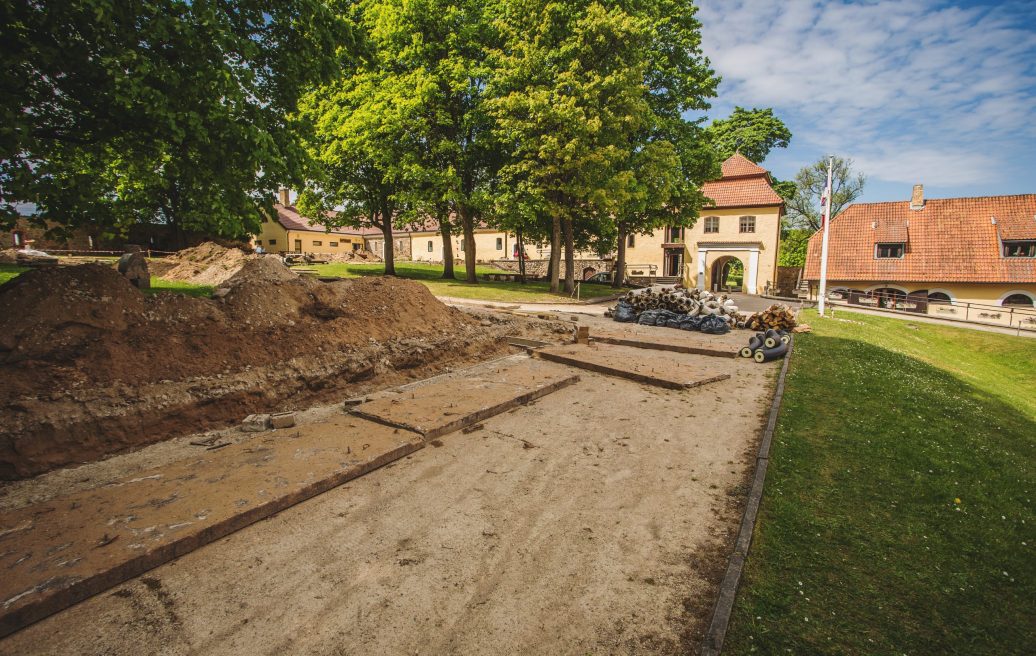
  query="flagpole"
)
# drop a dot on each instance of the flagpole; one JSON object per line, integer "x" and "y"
{"x": 826, "y": 219}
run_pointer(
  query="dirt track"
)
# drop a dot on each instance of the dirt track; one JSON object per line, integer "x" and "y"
{"x": 564, "y": 527}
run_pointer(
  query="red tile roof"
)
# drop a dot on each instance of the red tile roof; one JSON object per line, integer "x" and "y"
{"x": 948, "y": 240}
{"x": 738, "y": 165}
{"x": 289, "y": 217}
{"x": 744, "y": 184}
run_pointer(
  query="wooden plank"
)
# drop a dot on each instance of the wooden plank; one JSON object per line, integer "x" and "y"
{"x": 641, "y": 365}
{"x": 453, "y": 402}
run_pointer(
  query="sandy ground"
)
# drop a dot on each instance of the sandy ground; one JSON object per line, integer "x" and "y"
{"x": 596, "y": 520}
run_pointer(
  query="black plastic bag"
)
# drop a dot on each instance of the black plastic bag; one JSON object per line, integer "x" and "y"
{"x": 714, "y": 325}
{"x": 624, "y": 312}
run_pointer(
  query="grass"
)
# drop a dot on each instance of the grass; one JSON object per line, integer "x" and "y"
{"x": 161, "y": 285}
{"x": 430, "y": 275}
{"x": 158, "y": 285}
{"x": 10, "y": 272}
{"x": 898, "y": 514}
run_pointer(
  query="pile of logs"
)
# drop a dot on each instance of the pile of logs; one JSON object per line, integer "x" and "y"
{"x": 691, "y": 302}
{"x": 775, "y": 317}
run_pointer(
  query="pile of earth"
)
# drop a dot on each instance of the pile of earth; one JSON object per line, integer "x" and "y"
{"x": 205, "y": 264}
{"x": 91, "y": 366}
{"x": 354, "y": 256}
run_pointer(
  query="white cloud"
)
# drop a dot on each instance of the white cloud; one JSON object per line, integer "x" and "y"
{"x": 910, "y": 89}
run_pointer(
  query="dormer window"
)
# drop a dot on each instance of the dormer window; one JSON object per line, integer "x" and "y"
{"x": 1020, "y": 248}
{"x": 891, "y": 250}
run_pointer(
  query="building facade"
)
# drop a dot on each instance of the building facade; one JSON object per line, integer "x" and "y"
{"x": 738, "y": 232}
{"x": 290, "y": 232}
{"x": 948, "y": 251}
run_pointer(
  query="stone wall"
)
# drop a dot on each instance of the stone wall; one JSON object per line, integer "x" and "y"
{"x": 538, "y": 268}
{"x": 787, "y": 277}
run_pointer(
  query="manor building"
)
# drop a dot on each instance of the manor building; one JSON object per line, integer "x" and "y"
{"x": 738, "y": 231}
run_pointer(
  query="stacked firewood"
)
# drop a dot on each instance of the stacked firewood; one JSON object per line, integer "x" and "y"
{"x": 775, "y": 317}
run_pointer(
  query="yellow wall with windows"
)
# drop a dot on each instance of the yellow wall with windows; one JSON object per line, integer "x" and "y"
{"x": 284, "y": 241}
{"x": 727, "y": 241}
{"x": 489, "y": 245}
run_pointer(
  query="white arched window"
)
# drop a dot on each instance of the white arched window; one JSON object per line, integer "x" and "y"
{"x": 1018, "y": 299}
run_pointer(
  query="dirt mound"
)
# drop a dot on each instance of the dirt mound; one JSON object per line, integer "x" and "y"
{"x": 354, "y": 256}
{"x": 205, "y": 264}
{"x": 265, "y": 268}
{"x": 90, "y": 366}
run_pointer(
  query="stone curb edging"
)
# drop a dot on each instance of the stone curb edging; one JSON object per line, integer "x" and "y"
{"x": 712, "y": 644}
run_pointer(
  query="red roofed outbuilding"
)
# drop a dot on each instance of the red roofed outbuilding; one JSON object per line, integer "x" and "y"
{"x": 974, "y": 250}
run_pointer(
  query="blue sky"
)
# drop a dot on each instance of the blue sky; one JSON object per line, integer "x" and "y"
{"x": 914, "y": 91}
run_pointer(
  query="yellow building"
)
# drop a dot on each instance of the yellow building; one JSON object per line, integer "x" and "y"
{"x": 963, "y": 258}
{"x": 490, "y": 244}
{"x": 742, "y": 224}
{"x": 290, "y": 232}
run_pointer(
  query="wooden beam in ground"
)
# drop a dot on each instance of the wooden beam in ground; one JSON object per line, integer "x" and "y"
{"x": 669, "y": 370}
{"x": 452, "y": 402}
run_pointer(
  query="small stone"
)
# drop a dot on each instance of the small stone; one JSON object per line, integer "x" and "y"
{"x": 256, "y": 423}
{"x": 282, "y": 420}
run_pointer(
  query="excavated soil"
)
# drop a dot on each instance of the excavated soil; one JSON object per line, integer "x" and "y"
{"x": 89, "y": 366}
{"x": 205, "y": 264}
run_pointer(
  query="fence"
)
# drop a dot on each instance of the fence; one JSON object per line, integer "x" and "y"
{"x": 1012, "y": 316}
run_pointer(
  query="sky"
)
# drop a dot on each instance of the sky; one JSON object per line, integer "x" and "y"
{"x": 913, "y": 91}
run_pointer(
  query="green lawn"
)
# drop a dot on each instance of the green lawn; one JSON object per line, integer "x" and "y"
{"x": 160, "y": 285}
{"x": 431, "y": 276}
{"x": 898, "y": 513}
{"x": 10, "y": 272}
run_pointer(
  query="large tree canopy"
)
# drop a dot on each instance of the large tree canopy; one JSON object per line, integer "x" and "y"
{"x": 810, "y": 182}
{"x": 589, "y": 97}
{"x": 752, "y": 132}
{"x": 168, "y": 110}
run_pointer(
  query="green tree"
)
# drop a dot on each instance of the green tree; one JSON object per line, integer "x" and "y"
{"x": 587, "y": 93}
{"x": 752, "y": 132}
{"x": 811, "y": 181}
{"x": 362, "y": 145}
{"x": 792, "y": 250}
{"x": 168, "y": 110}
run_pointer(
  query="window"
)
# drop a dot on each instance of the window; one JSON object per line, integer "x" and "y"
{"x": 499, "y": 243}
{"x": 747, "y": 224}
{"x": 258, "y": 242}
{"x": 889, "y": 250}
{"x": 1020, "y": 248}
{"x": 431, "y": 246}
{"x": 399, "y": 244}
{"x": 712, "y": 224}
{"x": 273, "y": 242}
{"x": 357, "y": 247}
{"x": 1018, "y": 300}
{"x": 333, "y": 244}
{"x": 629, "y": 241}
{"x": 939, "y": 296}
{"x": 318, "y": 243}
{"x": 461, "y": 246}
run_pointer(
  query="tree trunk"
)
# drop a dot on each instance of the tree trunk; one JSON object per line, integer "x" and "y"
{"x": 386, "y": 231}
{"x": 521, "y": 256}
{"x": 620, "y": 260}
{"x": 570, "y": 256}
{"x": 555, "y": 253}
{"x": 446, "y": 230}
{"x": 467, "y": 219}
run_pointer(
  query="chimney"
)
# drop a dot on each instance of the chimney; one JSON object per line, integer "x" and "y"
{"x": 284, "y": 196}
{"x": 917, "y": 198}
